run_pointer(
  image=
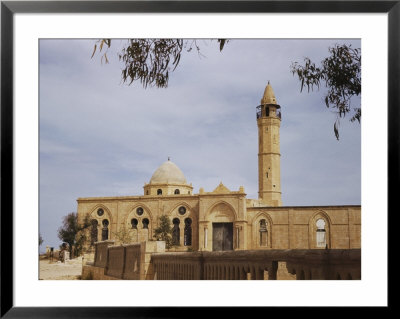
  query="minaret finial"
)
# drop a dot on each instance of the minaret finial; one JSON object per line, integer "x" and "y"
{"x": 268, "y": 81}
{"x": 169, "y": 158}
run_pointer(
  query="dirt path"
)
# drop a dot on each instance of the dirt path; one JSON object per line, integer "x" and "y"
{"x": 70, "y": 270}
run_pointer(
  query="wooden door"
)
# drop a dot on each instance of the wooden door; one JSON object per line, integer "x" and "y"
{"x": 222, "y": 236}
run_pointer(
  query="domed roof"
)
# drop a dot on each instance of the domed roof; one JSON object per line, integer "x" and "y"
{"x": 168, "y": 173}
{"x": 269, "y": 95}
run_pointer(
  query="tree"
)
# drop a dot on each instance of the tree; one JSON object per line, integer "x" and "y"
{"x": 150, "y": 61}
{"x": 341, "y": 73}
{"x": 164, "y": 231}
{"x": 123, "y": 235}
{"x": 72, "y": 232}
{"x": 40, "y": 240}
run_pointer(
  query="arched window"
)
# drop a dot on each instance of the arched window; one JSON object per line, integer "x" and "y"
{"x": 182, "y": 210}
{"x": 145, "y": 223}
{"x": 263, "y": 233}
{"x": 134, "y": 223}
{"x": 139, "y": 211}
{"x": 176, "y": 232}
{"x": 188, "y": 232}
{"x": 93, "y": 231}
{"x": 104, "y": 232}
{"x": 159, "y": 191}
{"x": 177, "y": 192}
{"x": 321, "y": 233}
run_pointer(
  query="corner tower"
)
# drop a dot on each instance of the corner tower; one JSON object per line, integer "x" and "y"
{"x": 269, "y": 156}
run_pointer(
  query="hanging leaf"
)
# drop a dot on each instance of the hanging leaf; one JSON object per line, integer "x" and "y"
{"x": 341, "y": 73}
{"x": 94, "y": 51}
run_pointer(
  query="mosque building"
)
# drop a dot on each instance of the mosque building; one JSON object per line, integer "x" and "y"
{"x": 225, "y": 219}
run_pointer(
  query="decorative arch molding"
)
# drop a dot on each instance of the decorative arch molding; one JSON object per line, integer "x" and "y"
{"x": 186, "y": 205}
{"x": 146, "y": 214}
{"x": 256, "y": 233}
{"x": 320, "y": 213}
{"x": 139, "y": 233}
{"x": 210, "y": 210}
{"x": 189, "y": 212}
{"x": 259, "y": 215}
{"x": 312, "y": 229}
{"x": 107, "y": 213}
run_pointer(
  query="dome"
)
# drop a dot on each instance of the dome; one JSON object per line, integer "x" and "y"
{"x": 168, "y": 173}
{"x": 269, "y": 95}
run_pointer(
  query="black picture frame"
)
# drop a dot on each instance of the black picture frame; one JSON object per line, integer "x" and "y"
{"x": 9, "y": 8}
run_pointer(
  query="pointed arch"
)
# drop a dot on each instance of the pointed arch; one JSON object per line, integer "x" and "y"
{"x": 210, "y": 210}
{"x": 176, "y": 207}
{"x": 132, "y": 213}
{"x": 191, "y": 214}
{"x": 255, "y": 229}
{"x": 321, "y": 213}
{"x": 107, "y": 213}
{"x": 313, "y": 229}
{"x": 142, "y": 229}
{"x": 262, "y": 214}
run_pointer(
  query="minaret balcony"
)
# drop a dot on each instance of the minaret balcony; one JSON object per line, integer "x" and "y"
{"x": 268, "y": 110}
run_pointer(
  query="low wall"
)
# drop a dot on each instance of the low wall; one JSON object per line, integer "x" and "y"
{"x": 101, "y": 252}
{"x": 115, "y": 261}
{"x": 134, "y": 262}
{"x": 148, "y": 260}
{"x": 259, "y": 265}
{"x": 131, "y": 261}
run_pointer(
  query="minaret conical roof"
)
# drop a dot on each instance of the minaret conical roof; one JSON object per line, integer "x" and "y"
{"x": 269, "y": 95}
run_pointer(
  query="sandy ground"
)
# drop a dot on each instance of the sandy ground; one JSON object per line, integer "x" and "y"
{"x": 70, "y": 270}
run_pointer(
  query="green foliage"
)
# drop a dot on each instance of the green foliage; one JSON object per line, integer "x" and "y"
{"x": 123, "y": 235}
{"x": 164, "y": 231}
{"x": 341, "y": 73}
{"x": 71, "y": 232}
{"x": 150, "y": 61}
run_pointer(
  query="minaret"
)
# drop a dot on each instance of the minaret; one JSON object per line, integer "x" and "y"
{"x": 269, "y": 156}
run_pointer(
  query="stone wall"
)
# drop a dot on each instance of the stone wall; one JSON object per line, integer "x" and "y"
{"x": 148, "y": 260}
{"x": 101, "y": 252}
{"x": 295, "y": 227}
{"x": 289, "y": 227}
{"x": 131, "y": 261}
{"x": 115, "y": 261}
{"x": 322, "y": 264}
{"x": 134, "y": 262}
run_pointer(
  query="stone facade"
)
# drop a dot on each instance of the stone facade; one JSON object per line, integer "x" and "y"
{"x": 223, "y": 219}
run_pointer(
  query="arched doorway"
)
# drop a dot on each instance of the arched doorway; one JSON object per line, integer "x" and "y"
{"x": 222, "y": 236}
{"x": 222, "y": 217}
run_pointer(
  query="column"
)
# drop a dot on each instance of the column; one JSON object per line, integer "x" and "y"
{"x": 242, "y": 273}
{"x": 253, "y": 273}
{"x": 259, "y": 273}
{"x": 272, "y": 270}
{"x": 205, "y": 237}
{"x": 237, "y": 238}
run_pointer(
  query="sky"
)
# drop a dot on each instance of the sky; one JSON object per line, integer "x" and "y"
{"x": 101, "y": 137}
